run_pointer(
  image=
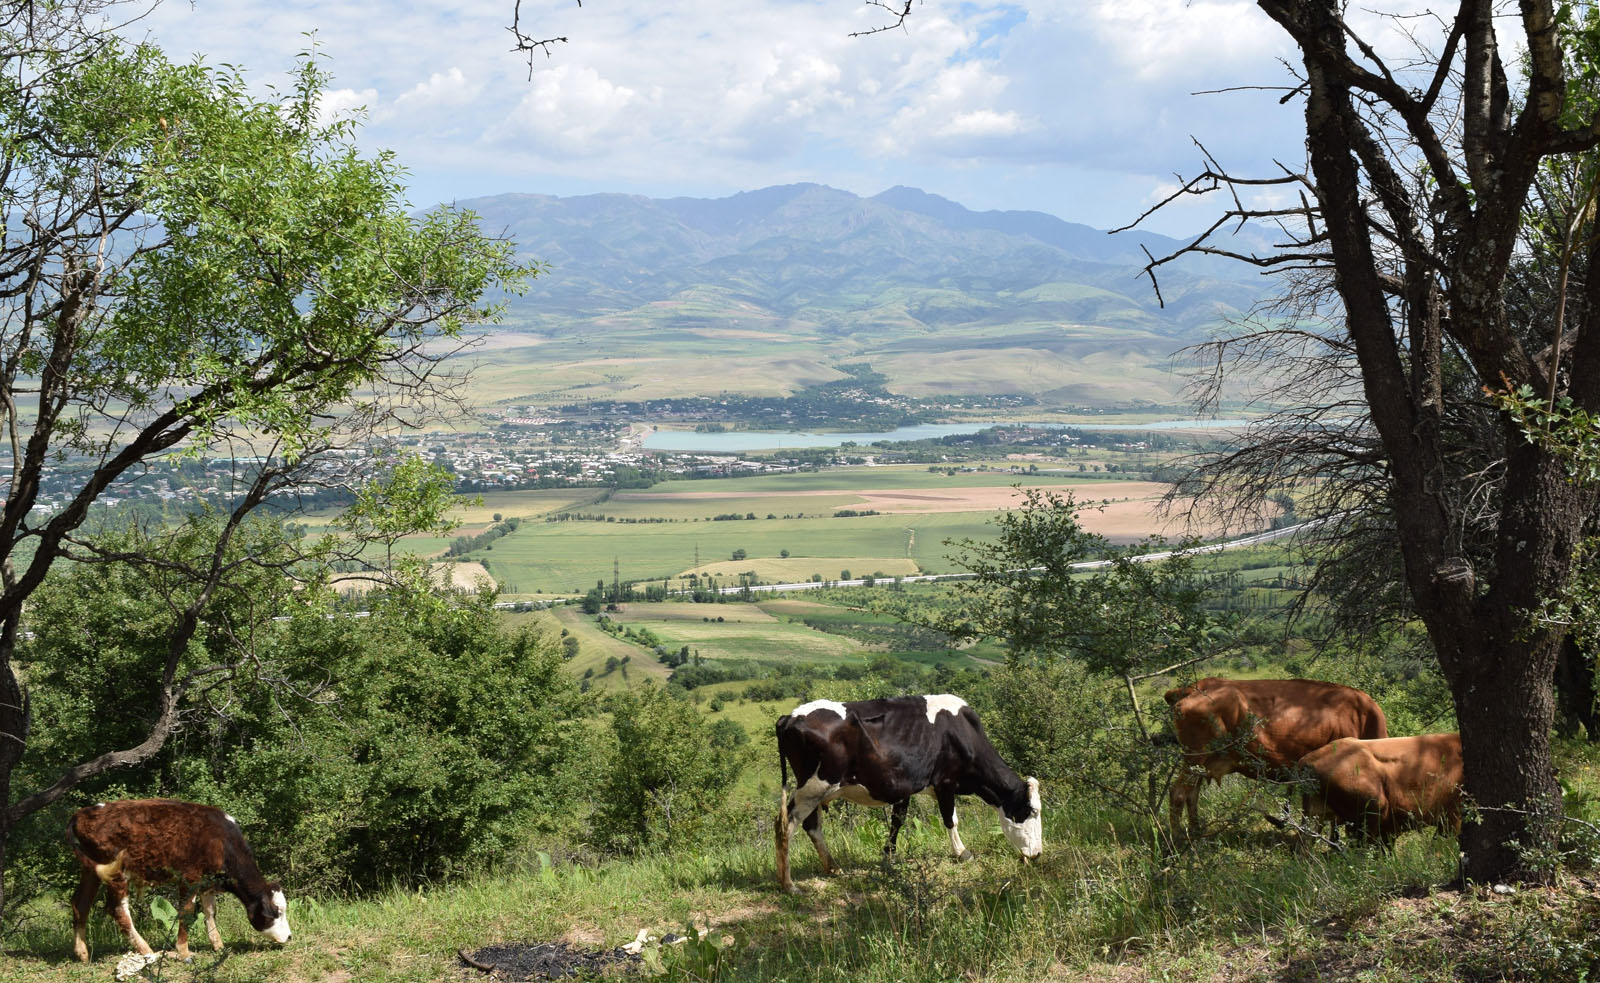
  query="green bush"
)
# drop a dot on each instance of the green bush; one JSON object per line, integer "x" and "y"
{"x": 667, "y": 774}
{"x": 354, "y": 752}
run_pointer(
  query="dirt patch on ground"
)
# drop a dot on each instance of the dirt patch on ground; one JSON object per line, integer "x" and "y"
{"x": 457, "y": 575}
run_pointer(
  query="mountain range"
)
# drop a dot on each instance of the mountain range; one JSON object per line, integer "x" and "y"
{"x": 811, "y": 253}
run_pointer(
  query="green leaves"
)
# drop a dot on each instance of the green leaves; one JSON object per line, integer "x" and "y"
{"x": 1562, "y": 429}
{"x": 1119, "y": 618}
{"x": 273, "y": 270}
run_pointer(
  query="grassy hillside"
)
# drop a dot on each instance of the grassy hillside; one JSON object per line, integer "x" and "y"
{"x": 1097, "y": 907}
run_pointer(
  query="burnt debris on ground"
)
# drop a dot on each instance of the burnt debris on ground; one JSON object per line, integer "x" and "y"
{"x": 520, "y": 961}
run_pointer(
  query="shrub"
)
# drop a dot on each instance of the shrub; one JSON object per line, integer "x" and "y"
{"x": 411, "y": 744}
{"x": 666, "y": 777}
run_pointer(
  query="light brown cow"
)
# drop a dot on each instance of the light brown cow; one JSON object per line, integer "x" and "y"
{"x": 152, "y": 841}
{"x": 1386, "y": 786}
{"x": 1259, "y": 727}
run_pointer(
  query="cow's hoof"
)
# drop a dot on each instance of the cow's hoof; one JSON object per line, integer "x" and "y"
{"x": 791, "y": 889}
{"x": 965, "y": 856}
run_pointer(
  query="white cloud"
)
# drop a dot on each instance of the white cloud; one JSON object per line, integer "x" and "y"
{"x": 990, "y": 103}
{"x": 337, "y": 104}
{"x": 441, "y": 90}
{"x": 568, "y": 110}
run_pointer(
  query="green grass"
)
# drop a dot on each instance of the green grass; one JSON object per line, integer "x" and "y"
{"x": 735, "y": 641}
{"x": 1099, "y": 898}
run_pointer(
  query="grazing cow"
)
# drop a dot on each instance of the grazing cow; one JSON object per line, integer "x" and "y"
{"x": 1260, "y": 727}
{"x": 1385, "y": 786}
{"x": 882, "y": 752}
{"x": 153, "y": 841}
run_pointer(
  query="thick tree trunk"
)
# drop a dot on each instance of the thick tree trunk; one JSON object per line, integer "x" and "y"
{"x": 1501, "y": 664}
{"x": 1505, "y": 705}
{"x": 5, "y": 837}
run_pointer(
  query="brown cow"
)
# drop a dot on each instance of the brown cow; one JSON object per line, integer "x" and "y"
{"x": 1259, "y": 727}
{"x": 153, "y": 841}
{"x": 1383, "y": 787}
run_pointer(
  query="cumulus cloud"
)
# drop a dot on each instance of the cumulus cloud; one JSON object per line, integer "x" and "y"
{"x": 990, "y": 103}
{"x": 337, "y": 104}
{"x": 572, "y": 110}
{"x": 449, "y": 89}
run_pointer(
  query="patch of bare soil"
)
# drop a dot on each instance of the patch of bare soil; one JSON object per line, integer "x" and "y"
{"x": 526, "y": 961}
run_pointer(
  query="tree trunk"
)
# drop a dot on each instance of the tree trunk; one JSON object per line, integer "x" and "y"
{"x": 1505, "y": 705}
{"x": 1501, "y": 663}
{"x": 13, "y": 735}
{"x": 5, "y": 837}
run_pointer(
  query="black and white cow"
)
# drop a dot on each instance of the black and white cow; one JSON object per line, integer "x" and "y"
{"x": 881, "y": 753}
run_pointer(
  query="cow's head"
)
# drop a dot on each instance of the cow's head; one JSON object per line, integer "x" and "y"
{"x": 1024, "y": 827}
{"x": 269, "y": 914}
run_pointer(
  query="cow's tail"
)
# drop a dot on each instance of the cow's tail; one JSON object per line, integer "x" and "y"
{"x": 783, "y": 763}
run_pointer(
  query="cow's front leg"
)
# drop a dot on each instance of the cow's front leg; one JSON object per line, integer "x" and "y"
{"x": 947, "y": 809}
{"x": 1185, "y": 797}
{"x": 897, "y": 818}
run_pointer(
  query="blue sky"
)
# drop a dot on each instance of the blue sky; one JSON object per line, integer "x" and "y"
{"x": 1080, "y": 108}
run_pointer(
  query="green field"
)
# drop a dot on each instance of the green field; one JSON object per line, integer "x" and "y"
{"x": 571, "y": 556}
{"x": 680, "y": 536}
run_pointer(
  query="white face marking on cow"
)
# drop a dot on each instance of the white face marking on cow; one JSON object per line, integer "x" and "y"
{"x": 278, "y": 931}
{"x": 1028, "y": 835}
{"x": 832, "y": 705}
{"x": 943, "y": 701}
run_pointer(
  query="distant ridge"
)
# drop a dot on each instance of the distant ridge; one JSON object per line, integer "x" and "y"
{"x": 901, "y": 259}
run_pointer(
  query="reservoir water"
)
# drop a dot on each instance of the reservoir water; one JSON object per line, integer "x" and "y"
{"x": 735, "y": 441}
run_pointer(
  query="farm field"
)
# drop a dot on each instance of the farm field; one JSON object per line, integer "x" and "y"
{"x": 660, "y": 533}
{"x": 572, "y": 556}
{"x": 649, "y": 353}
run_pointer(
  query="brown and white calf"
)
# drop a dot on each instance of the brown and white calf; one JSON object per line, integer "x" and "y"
{"x": 129, "y": 844}
{"x": 881, "y": 753}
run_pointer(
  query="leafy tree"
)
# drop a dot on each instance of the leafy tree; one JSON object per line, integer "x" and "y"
{"x": 1048, "y": 587}
{"x": 190, "y": 269}
{"x": 1076, "y": 614}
